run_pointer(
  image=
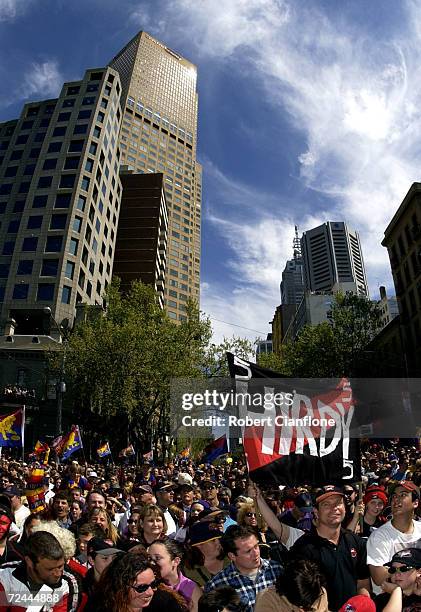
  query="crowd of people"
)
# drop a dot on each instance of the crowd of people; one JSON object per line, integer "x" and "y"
{"x": 204, "y": 538}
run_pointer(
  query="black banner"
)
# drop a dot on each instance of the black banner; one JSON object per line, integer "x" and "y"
{"x": 300, "y": 432}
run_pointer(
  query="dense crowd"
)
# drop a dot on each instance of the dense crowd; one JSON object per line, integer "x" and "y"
{"x": 204, "y": 538}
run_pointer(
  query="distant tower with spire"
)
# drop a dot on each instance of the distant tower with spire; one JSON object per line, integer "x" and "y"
{"x": 292, "y": 285}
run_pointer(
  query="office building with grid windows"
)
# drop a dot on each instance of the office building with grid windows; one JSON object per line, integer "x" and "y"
{"x": 332, "y": 255}
{"x": 159, "y": 134}
{"x": 61, "y": 190}
{"x": 60, "y": 196}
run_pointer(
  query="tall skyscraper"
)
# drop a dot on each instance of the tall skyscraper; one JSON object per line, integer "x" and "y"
{"x": 60, "y": 195}
{"x": 61, "y": 191}
{"x": 292, "y": 285}
{"x": 159, "y": 134}
{"x": 332, "y": 254}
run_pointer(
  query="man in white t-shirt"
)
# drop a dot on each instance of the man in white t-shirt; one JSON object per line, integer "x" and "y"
{"x": 19, "y": 510}
{"x": 402, "y": 531}
{"x": 164, "y": 493}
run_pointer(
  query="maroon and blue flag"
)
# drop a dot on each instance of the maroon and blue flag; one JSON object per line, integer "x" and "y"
{"x": 12, "y": 429}
{"x": 215, "y": 449}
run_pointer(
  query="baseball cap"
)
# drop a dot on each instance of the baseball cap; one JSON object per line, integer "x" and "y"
{"x": 408, "y": 556}
{"x": 207, "y": 481}
{"x": 408, "y": 485}
{"x": 101, "y": 547}
{"x": 143, "y": 488}
{"x": 375, "y": 492}
{"x": 304, "y": 502}
{"x": 13, "y": 491}
{"x": 212, "y": 515}
{"x": 201, "y": 532}
{"x": 164, "y": 485}
{"x": 359, "y": 603}
{"x": 328, "y": 491}
{"x": 186, "y": 487}
{"x": 184, "y": 478}
{"x": 92, "y": 474}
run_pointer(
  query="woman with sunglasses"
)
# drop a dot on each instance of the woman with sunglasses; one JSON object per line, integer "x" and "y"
{"x": 131, "y": 533}
{"x": 402, "y": 589}
{"x": 248, "y": 517}
{"x": 132, "y": 582}
{"x": 168, "y": 556}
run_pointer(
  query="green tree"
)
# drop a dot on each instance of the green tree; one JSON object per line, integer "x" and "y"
{"x": 312, "y": 355}
{"x": 214, "y": 361}
{"x": 330, "y": 349}
{"x": 120, "y": 363}
{"x": 356, "y": 320}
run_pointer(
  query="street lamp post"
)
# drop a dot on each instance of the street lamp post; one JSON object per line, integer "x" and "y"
{"x": 61, "y": 385}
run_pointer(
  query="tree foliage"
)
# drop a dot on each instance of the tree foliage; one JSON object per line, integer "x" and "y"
{"x": 119, "y": 365}
{"x": 329, "y": 349}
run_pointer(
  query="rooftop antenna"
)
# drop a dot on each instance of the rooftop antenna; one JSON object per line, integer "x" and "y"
{"x": 296, "y": 245}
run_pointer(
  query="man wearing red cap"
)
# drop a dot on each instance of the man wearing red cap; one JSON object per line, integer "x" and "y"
{"x": 402, "y": 531}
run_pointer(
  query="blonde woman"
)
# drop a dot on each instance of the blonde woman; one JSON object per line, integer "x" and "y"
{"x": 248, "y": 516}
{"x": 100, "y": 517}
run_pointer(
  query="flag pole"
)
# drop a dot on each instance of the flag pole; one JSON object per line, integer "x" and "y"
{"x": 23, "y": 434}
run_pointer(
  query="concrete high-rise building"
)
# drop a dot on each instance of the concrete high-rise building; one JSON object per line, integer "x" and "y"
{"x": 332, "y": 256}
{"x": 141, "y": 247}
{"x": 60, "y": 196}
{"x": 159, "y": 134}
{"x": 61, "y": 192}
{"x": 292, "y": 285}
{"x": 402, "y": 238}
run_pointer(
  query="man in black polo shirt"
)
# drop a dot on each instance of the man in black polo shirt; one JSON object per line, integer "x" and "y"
{"x": 340, "y": 554}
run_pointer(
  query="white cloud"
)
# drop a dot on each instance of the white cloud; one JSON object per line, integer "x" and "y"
{"x": 42, "y": 78}
{"x": 354, "y": 97}
{"x": 10, "y": 9}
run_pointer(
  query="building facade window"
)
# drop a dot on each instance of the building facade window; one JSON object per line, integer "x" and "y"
{"x": 45, "y": 292}
{"x": 20, "y": 291}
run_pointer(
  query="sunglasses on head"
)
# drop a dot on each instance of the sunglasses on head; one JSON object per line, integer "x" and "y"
{"x": 250, "y": 514}
{"x": 142, "y": 588}
{"x": 400, "y": 570}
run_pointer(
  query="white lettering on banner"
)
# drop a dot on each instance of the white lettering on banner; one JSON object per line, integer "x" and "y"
{"x": 296, "y": 427}
{"x": 246, "y": 366}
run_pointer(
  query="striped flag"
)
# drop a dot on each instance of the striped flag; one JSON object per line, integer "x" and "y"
{"x": 104, "y": 450}
{"x": 71, "y": 443}
{"x": 127, "y": 452}
{"x": 42, "y": 451}
{"x": 35, "y": 491}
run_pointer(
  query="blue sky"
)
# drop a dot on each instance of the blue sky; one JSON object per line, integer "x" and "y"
{"x": 308, "y": 111}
